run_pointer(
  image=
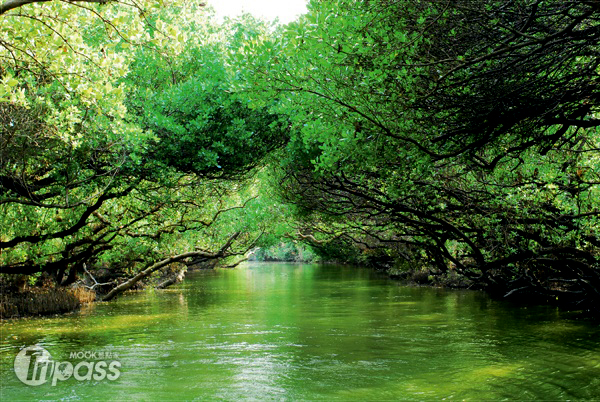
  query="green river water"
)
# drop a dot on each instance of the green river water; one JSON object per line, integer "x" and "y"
{"x": 311, "y": 332}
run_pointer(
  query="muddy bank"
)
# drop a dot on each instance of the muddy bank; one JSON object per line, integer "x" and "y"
{"x": 22, "y": 296}
{"x": 42, "y": 301}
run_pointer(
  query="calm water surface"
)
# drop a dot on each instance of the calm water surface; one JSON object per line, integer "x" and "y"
{"x": 313, "y": 332}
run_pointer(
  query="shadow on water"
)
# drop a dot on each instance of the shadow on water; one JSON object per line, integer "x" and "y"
{"x": 305, "y": 331}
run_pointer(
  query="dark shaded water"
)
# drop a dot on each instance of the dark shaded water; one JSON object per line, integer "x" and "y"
{"x": 299, "y": 331}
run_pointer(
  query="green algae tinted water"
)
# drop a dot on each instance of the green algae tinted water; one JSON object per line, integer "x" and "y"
{"x": 311, "y": 332}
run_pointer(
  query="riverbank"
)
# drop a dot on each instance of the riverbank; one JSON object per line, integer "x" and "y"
{"x": 526, "y": 297}
{"x": 25, "y": 296}
{"x": 15, "y": 303}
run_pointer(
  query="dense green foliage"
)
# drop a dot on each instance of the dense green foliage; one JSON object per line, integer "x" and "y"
{"x": 202, "y": 126}
{"x": 460, "y": 136}
{"x": 120, "y": 169}
{"x": 285, "y": 251}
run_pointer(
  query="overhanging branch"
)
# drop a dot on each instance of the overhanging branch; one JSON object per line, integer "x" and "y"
{"x": 155, "y": 267}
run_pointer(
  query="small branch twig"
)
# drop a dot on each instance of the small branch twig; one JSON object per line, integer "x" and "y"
{"x": 94, "y": 279}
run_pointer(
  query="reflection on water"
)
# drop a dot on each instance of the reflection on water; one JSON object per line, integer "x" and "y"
{"x": 298, "y": 331}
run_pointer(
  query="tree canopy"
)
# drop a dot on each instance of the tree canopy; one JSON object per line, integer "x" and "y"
{"x": 120, "y": 147}
{"x": 456, "y": 135}
{"x": 459, "y": 136}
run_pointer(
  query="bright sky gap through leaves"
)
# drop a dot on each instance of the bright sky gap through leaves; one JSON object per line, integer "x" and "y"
{"x": 286, "y": 10}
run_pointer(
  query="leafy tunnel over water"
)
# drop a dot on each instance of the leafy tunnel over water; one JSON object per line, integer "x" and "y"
{"x": 302, "y": 331}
